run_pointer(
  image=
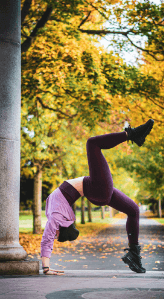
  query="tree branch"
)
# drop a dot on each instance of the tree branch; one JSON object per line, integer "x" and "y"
{"x": 27, "y": 139}
{"x": 55, "y": 110}
{"x": 149, "y": 116}
{"x": 25, "y": 10}
{"x": 45, "y": 91}
{"x": 144, "y": 50}
{"x": 28, "y": 42}
{"x": 84, "y": 20}
{"x": 104, "y": 32}
{"x": 101, "y": 13}
{"x": 156, "y": 103}
{"x": 49, "y": 163}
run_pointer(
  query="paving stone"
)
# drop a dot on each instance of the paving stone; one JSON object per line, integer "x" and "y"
{"x": 107, "y": 293}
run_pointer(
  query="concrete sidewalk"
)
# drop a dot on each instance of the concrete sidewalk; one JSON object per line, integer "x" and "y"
{"x": 84, "y": 284}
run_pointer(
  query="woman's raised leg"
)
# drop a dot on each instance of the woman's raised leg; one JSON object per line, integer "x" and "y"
{"x": 99, "y": 185}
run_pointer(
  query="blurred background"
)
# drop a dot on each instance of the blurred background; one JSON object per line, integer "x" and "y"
{"x": 90, "y": 68}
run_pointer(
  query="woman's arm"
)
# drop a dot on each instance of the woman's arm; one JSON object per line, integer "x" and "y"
{"x": 46, "y": 264}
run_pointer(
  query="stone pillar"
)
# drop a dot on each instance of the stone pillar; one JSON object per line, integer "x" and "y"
{"x": 10, "y": 104}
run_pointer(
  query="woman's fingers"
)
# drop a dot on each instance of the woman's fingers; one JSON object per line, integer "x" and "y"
{"x": 57, "y": 233}
{"x": 54, "y": 272}
{"x": 57, "y": 273}
{"x": 57, "y": 270}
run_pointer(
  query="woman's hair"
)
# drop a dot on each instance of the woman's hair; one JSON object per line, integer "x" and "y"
{"x": 68, "y": 233}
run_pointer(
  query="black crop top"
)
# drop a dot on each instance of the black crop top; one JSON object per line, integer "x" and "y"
{"x": 98, "y": 195}
{"x": 69, "y": 192}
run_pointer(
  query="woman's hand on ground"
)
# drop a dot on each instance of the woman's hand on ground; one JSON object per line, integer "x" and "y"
{"x": 54, "y": 272}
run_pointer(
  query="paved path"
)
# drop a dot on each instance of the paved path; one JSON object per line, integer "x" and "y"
{"x": 94, "y": 269}
{"x": 143, "y": 221}
{"x": 83, "y": 285}
{"x": 104, "y": 251}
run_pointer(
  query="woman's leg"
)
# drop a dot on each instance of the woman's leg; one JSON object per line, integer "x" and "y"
{"x": 98, "y": 166}
{"x": 100, "y": 189}
{"x": 99, "y": 185}
{"x": 123, "y": 203}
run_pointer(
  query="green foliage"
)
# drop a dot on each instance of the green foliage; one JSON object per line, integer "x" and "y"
{"x": 148, "y": 17}
{"x": 127, "y": 80}
{"x": 147, "y": 164}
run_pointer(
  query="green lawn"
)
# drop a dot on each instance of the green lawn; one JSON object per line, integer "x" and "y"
{"x": 26, "y": 219}
{"x": 160, "y": 220}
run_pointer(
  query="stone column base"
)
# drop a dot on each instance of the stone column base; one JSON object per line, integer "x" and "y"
{"x": 12, "y": 252}
{"x": 19, "y": 268}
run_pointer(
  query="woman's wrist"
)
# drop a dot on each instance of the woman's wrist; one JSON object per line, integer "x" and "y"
{"x": 45, "y": 261}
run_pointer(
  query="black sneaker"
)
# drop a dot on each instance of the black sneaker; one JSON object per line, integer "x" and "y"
{"x": 133, "y": 258}
{"x": 139, "y": 134}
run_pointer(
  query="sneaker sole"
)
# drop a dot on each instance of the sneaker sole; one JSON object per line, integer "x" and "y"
{"x": 151, "y": 123}
{"x": 133, "y": 266}
{"x": 142, "y": 140}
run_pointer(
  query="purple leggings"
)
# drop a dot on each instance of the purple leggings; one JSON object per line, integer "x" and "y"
{"x": 101, "y": 179}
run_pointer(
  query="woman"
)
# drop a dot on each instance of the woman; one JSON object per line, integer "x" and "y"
{"x": 99, "y": 190}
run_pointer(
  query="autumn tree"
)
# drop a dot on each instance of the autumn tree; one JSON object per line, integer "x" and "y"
{"x": 61, "y": 82}
{"x": 128, "y": 19}
{"x": 147, "y": 163}
{"x": 130, "y": 22}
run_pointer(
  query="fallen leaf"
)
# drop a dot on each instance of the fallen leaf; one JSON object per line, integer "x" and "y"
{"x": 70, "y": 260}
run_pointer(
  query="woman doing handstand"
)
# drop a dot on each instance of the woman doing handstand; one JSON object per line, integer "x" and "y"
{"x": 98, "y": 189}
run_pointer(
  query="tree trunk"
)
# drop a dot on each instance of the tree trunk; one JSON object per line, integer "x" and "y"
{"x": 153, "y": 207}
{"x": 159, "y": 209}
{"x": 37, "y": 205}
{"x": 89, "y": 211}
{"x": 102, "y": 212}
{"x": 111, "y": 212}
{"x": 82, "y": 210}
{"x": 74, "y": 209}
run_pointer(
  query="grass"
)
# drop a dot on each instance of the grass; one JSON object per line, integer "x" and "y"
{"x": 26, "y": 220}
{"x": 160, "y": 220}
{"x": 151, "y": 215}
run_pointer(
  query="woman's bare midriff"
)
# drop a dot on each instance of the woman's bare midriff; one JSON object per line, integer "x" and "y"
{"x": 77, "y": 184}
